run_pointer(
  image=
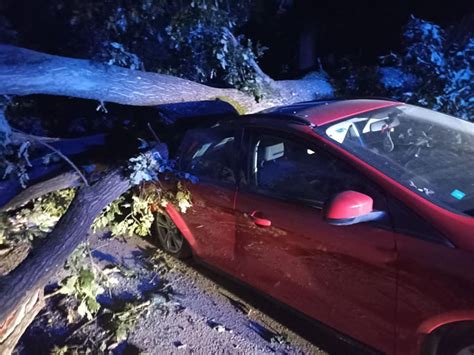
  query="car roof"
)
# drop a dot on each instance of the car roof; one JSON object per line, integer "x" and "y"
{"x": 319, "y": 113}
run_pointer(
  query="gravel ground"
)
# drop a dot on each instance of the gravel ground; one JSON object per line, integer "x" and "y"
{"x": 192, "y": 311}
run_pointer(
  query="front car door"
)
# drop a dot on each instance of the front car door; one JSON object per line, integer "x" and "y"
{"x": 344, "y": 276}
{"x": 209, "y": 155}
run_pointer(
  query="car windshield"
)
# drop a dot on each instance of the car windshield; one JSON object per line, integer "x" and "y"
{"x": 429, "y": 152}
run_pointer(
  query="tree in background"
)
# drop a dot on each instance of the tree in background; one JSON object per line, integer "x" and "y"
{"x": 434, "y": 70}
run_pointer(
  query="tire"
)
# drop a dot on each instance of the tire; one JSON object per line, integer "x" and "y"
{"x": 456, "y": 340}
{"x": 170, "y": 238}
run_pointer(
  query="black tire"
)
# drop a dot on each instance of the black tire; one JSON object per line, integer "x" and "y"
{"x": 170, "y": 238}
{"x": 458, "y": 339}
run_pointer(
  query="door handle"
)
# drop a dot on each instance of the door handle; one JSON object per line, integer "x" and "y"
{"x": 259, "y": 221}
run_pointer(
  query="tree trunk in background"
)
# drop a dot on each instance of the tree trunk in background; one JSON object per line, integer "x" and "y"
{"x": 307, "y": 48}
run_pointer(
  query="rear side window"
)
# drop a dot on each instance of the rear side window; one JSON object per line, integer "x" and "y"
{"x": 294, "y": 170}
{"x": 209, "y": 155}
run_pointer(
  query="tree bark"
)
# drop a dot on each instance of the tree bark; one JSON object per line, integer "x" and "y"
{"x": 25, "y": 72}
{"x": 18, "y": 288}
{"x": 63, "y": 181}
{"x": 14, "y": 327}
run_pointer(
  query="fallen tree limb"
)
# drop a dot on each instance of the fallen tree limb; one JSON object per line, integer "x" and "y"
{"x": 25, "y": 72}
{"x": 59, "y": 153}
{"x": 40, "y": 172}
{"x": 67, "y": 146}
{"x": 18, "y": 287}
{"x": 63, "y": 181}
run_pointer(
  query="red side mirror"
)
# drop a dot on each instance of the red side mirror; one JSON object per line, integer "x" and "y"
{"x": 350, "y": 207}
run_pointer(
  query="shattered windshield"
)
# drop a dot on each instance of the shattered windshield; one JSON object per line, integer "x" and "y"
{"x": 429, "y": 152}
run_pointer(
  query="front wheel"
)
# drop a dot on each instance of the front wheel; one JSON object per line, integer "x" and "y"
{"x": 455, "y": 340}
{"x": 462, "y": 344}
{"x": 169, "y": 237}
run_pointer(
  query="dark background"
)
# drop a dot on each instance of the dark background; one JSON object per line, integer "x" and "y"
{"x": 360, "y": 29}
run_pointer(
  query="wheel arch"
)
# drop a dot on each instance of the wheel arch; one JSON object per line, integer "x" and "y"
{"x": 431, "y": 331}
{"x": 445, "y": 319}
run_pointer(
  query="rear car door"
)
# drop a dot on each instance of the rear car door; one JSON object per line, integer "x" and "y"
{"x": 210, "y": 156}
{"x": 344, "y": 276}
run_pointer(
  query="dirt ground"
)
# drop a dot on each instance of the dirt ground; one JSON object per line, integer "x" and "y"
{"x": 192, "y": 310}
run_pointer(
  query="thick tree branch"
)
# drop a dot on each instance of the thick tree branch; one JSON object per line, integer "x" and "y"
{"x": 63, "y": 181}
{"x": 24, "y": 72}
{"x": 33, "y": 273}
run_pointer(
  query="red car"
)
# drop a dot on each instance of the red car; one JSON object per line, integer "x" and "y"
{"x": 357, "y": 213}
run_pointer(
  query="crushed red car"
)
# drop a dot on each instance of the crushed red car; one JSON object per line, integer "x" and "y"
{"x": 356, "y": 213}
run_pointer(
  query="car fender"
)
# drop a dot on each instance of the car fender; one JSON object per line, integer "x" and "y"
{"x": 433, "y": 323}
{"x": 430, "y": 325}
{"x": 181, "y": 224}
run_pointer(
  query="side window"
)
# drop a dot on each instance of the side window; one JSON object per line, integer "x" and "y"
{"x": 293, "y": 170}
{"x": 209, "y": 154}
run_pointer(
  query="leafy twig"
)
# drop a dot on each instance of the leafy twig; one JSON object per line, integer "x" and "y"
{"x": 58, "y": 152}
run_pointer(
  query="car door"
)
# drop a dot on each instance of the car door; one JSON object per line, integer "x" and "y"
{"x": 209, "y": 156}
{"x": 344, "y": 276}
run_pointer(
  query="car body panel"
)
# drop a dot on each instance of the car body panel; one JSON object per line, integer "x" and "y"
{"x": 299, "y": 261}
{"x": 434, "y": 287}
{"x": 211, "y": 221}
{"x": 325, "y": 112}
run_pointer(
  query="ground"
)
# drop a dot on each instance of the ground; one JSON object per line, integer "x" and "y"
{"x": 190, "y": 311}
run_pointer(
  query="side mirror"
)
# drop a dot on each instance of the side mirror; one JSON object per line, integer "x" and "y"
{"x": 350, "y": 207}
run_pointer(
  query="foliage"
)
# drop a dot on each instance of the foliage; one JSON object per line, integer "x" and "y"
{"x": 146, "y": 167}
{"x": 163, "y": 35}
{"x": 438, "y": 72}
{"x": 133, "y": 213}
{"x": 204, "y": 32}
{"x": 83, "y": 286}
{"x": 124, "y": 321}
{"x": 14, "y": 159}
{"x": 137, "y": 222}
{"x": 85, "y": 283}
{"x": 37, "y": 218}
{"x": 432, "y": 71}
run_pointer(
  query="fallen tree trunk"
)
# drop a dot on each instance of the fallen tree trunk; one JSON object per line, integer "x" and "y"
{"x": 21, "y": 289}
{"x": 25, "y": 72}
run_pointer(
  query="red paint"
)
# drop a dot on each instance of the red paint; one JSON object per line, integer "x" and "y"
{"x": 338, "y": 110}
{"x": 349, "y": 204}
{"x": 381, "y": 287}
